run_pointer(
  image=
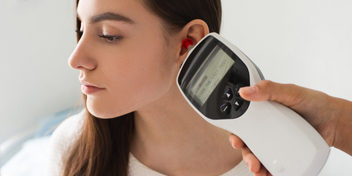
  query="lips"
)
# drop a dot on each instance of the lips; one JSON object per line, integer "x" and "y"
{"x": 90, "y": 85}
{"x": 89, "y": 88}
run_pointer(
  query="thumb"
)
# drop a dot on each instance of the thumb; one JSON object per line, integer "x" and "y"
{"x": 287, "y": 94}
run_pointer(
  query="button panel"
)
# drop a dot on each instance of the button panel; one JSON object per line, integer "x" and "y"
{"x": 231, "y": 99}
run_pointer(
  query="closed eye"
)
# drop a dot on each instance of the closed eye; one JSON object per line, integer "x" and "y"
{"x": 110, "y": 38}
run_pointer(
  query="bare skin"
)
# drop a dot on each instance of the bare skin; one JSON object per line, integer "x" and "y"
{"x": 330, "y": 116}
{"x": 136, "y": 69}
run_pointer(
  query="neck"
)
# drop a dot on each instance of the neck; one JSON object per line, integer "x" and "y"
{"x": 173, "y": 139}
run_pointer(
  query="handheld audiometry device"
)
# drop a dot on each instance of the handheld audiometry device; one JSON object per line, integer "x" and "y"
{"x": 283, "y": 141}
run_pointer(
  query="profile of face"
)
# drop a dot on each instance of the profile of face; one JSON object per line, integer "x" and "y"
{"x": 124, "y": 52}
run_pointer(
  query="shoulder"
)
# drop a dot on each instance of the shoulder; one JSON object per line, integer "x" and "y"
{"x": 68, "y": 129}
{"x": 62, "y": 138}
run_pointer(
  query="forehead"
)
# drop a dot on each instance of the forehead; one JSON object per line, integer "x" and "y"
{"x": 131, "y": 9}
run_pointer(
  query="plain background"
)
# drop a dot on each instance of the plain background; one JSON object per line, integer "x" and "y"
{"x": 308, "y": 43}
{"x": 36, "y": 40}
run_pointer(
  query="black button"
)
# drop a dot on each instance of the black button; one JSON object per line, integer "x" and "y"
{"x": 225, "y": 108}
{"x": 237, "y": 103}
{"x": 228, "y": 94}
{"x": 237, "y": 88}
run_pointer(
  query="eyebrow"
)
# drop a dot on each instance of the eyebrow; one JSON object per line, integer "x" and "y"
{"x": 108, "y": 16}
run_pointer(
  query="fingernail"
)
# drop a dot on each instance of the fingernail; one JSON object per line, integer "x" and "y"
{"x": 249, "y": 90}
{"x": 232, "y": 144}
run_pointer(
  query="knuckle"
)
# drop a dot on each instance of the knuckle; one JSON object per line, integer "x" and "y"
{"x": 265, "y": 83}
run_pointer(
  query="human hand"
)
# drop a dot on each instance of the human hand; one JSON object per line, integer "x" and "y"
{"x": 328, "y": 115}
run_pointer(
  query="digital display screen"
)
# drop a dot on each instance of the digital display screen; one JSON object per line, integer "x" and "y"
{"x": 209, "y": 74}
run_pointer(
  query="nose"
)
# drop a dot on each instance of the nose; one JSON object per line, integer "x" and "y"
{"x": 80, "y": 58}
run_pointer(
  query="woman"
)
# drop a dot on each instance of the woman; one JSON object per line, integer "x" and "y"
{"x": 136, "y": 121}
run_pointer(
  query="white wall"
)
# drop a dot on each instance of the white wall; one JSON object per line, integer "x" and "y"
{"x": 308, "y": 43}
{"x": 36, "y": 39}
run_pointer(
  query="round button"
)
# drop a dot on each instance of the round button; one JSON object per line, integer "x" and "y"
{"x": 237, "y": 103}
{"x": 228, "y": 94}
{"x": 225, "y": 108}
{"x": 237, "y": 88}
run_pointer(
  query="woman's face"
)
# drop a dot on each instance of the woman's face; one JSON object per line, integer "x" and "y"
{"x": 123, "y": 51}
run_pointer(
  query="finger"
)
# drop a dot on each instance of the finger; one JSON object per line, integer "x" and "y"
{"x": 236, "y": 142}
{"x": 251, "y": 160}
{"x": 287, "y": 94}
{"x": 262, "y": 172}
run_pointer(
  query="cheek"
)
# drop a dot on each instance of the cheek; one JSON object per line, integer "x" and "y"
{"x": 135, "y": 80}
{"x": 153, "y": 66}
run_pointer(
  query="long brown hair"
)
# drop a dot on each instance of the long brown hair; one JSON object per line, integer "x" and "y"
{"x": 103, "y": 147}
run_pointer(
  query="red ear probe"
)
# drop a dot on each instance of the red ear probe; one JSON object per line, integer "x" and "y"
{"x": 186, "y": 43}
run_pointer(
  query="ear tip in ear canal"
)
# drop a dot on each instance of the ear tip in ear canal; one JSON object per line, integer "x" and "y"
{"x": 186, "y": 43}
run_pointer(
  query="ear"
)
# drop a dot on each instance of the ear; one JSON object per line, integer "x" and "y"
{"x": 194, "y": 30}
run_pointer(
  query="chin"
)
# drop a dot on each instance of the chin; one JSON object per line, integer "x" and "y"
{"x": 103, "y": 111}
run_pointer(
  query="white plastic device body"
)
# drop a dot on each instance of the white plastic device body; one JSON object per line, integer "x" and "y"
{"x": 281, "y": 139}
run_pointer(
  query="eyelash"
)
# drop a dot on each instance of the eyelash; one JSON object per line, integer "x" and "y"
{"x": 79, "y": 32}
{"x": 109, "y": 38}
